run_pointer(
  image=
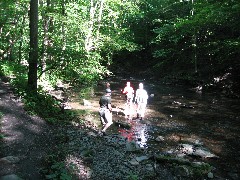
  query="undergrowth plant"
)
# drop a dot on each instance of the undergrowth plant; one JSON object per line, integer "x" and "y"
{"x": 55, "y": 169}
{"x": 49, "y": 108}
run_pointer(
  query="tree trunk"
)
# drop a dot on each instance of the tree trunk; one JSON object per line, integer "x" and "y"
{"x": 45, "y": 41}
{"x": 21, "y": 41}
{"x": 88, "y": 40}
{"x": 100, "y": 18}
{"x": 33, "y": 54}
{"x": 63, "y": 26}
{"x": 194, "y": 43}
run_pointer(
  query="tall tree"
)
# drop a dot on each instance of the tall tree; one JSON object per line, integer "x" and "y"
{"x": 45, "y": 36}
{"x": 194, "y": 42}
{"x": 33, "y": 54}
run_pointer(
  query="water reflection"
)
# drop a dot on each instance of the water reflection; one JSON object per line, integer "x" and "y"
{"x": 138, "y": 133}
{"x": 209, "y": 118}
{"x": 141, "y": 135}
{"x": 179, "y": 114}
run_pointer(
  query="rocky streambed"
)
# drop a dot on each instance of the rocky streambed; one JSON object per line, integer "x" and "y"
{"x": 186, "y": 134}
{"x": 93, "y": 156}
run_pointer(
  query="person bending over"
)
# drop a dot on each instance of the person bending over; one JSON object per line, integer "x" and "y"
{"x": 105, "y": 110}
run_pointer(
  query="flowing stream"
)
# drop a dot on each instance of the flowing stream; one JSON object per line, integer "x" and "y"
{"x": 178, "y": 115}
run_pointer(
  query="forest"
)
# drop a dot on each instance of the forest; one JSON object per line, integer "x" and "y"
{"x": 45, "y": 43}
{"x": 84, "y": 41}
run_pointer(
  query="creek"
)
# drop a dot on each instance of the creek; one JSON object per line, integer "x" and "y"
{"x": 178, "y": 115}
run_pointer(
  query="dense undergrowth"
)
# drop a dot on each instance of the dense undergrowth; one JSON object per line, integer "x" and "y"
{"x": 41, "y": 103}
{"x": 47, "y": 107}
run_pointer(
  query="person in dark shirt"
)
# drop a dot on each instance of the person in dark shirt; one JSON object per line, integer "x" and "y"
{"x": 105, "y": 110}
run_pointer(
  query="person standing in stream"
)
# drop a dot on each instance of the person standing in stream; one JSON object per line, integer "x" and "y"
{"x": 129, "y": 92}
{"x": 141, "y": 100}
{"x": 105, "y": 111}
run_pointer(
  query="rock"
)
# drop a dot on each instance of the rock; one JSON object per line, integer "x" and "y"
{"x": 86, "y": 103}
{"x": 123, "y": 124}
{"x": 92, "y": 134}
{"x": 87, "y": 153}
{"x": 116, "y": 140}
{"x": 176, "y": 102}
{"x": 187, "y": 106}
{"x": 2, "y": 91}
{"x": 132, "y": 146}
{"x": 141, "y": 158}
{"x": 186, "y": 149}
{"x": 160, "y": 138}
{"x": 149, "y": 167}
{"x": 9, "y": 159}
{"x": 199, "y": 164}
{"x": 203, "y": 153}
{"x": 197, "y": 142}
{"x": 210, "y": 175}
{"x": 181, "y": 171}
{"x": 134, "y": 162}
{"x": 10, "y": 177}
{"x": 169, "y": 159}
{"x": 183, "y": 105}
{"x": 66, "y": 106}
{"x": 189, "y": 149}
{"x": 233, "y": 175}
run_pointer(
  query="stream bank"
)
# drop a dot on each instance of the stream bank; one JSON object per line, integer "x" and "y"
{"x": 185, "y": 135}
{"x": 182, "y": 126}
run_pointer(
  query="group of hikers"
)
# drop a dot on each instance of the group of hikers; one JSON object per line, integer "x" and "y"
{"x": 139, "y": 98}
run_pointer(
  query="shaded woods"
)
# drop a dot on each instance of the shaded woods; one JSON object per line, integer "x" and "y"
{"x": 80, "y": 40}
{"x": 57, "y": 48}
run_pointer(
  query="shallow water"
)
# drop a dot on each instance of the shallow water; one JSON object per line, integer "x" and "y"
{"x": 182, "y": 115}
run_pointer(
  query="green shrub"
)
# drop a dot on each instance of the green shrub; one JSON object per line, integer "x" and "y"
{"x": 41, "y": 104}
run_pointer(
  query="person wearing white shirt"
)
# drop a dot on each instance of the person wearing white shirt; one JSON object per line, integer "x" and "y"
{"x": 141, "y": 100}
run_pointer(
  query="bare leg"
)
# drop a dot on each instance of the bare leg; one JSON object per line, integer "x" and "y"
{"x": 142, "y": 110}
{"x": 102, "y": 120}
{"x": 106, "y": 126}
{"x": 108, "y": 116}
{"x": 138, "y": 110}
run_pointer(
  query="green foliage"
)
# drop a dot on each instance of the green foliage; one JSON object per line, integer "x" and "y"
{"x": 201, "y": 171}
{"x": 11, "y": 69}
{"x": 47, "y": 107}
{"x": 59, "y": 172}
{"x": 64, "y": 33}
{"x": 210, "y": 22}
{"x": 14, "y": 27}
{"x": 8, "y": 70}
{"x": 77, "y": 43}
{"x": 86, "y": 92}
{"x": 56, "y": 169}
{"x": 16, "y": 74}
{"x": 1, "y": 136}
{"x": 41, "y": 104}
{"x": 100, "y": 31}
{"x": 132, "y": 177}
